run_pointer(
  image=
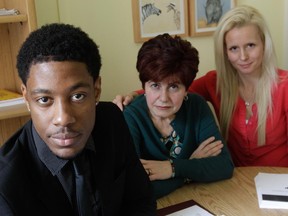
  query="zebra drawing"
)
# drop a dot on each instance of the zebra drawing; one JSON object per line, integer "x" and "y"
{"x": 176, "y": 16}
{"x": 213, "y": 10}
{"x": 148, "y": 10}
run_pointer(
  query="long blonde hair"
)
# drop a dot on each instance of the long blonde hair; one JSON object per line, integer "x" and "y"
{"x": 227, "y": 76}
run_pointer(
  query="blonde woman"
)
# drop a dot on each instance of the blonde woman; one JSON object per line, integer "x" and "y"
{"x": 247, "y": 90}
{"x": 253, "y": 108}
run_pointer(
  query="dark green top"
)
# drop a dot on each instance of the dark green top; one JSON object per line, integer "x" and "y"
{"x": 194, "y": 123}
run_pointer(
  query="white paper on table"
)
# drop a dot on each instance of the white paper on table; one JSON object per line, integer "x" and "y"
{"x": 194, "y": 210}
{"x": 272, "y": 190}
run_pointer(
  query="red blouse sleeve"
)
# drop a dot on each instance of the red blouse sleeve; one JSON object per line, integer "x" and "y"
{"x": 205, "y": 85}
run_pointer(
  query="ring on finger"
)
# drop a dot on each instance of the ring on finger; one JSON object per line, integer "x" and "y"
{"x": 148, "y": 172}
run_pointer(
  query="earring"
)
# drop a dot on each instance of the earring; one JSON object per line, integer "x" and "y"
{"x": 97, "y": 103}
{"x": 185, "y": 98}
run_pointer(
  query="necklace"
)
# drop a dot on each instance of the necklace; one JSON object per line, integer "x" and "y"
{"x": 247, "y": 103}
{"x": 245, "y": 97}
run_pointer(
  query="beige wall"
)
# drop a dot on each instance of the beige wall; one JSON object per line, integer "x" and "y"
{"x": 109, "y": 23}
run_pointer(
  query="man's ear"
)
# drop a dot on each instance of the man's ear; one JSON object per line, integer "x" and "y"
{"x": 24, "y": 93}
{"x": 97, "y": 89}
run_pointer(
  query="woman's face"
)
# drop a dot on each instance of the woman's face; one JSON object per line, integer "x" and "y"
{"x": 245, "y": 49}
{"x": 164, "y": 98}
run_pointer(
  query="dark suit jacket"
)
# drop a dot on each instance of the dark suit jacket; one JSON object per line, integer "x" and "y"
{"x": 28, "y": 188}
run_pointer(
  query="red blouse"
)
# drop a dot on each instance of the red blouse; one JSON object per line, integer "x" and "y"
{"x": 242, "y": 140}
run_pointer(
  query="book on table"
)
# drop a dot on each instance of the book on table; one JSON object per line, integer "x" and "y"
{"x": 272, "y": 190}
{"x": 187, "y": 208}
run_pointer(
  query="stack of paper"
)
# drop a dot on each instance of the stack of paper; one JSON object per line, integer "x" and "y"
{"x": 272, "y": 190}
{"x": 5, "y": 12}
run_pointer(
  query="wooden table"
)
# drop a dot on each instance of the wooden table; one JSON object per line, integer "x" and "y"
{"x": 233, "y": 197}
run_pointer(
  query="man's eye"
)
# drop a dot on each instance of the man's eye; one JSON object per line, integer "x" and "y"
{"x": 78, "y": 97}
{"x": 43, "y": 100}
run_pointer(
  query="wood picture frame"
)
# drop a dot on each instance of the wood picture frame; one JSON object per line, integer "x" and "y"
{"x": 152, "y": 17}
{"x": 204, "y": 15}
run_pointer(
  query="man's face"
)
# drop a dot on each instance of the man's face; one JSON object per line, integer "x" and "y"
{"x": 61, "y": 97}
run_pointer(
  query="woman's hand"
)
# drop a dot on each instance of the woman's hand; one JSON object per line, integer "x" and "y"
{"x": 208, "y": 148}
{"x": 161, "y": 170}
{"x": 157, "y": 170}
{"x": 124, "y": 100}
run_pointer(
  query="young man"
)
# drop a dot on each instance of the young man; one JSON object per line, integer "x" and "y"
{"x": 59, "y": 66}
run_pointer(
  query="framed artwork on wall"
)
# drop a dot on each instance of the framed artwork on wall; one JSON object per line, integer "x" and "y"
{"x": 152, "y": 17}
{"x": 205, "y": 15}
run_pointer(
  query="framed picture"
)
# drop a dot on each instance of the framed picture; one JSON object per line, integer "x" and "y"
{"x": 154, "y": 17}
{"x": 205, "y": 15}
